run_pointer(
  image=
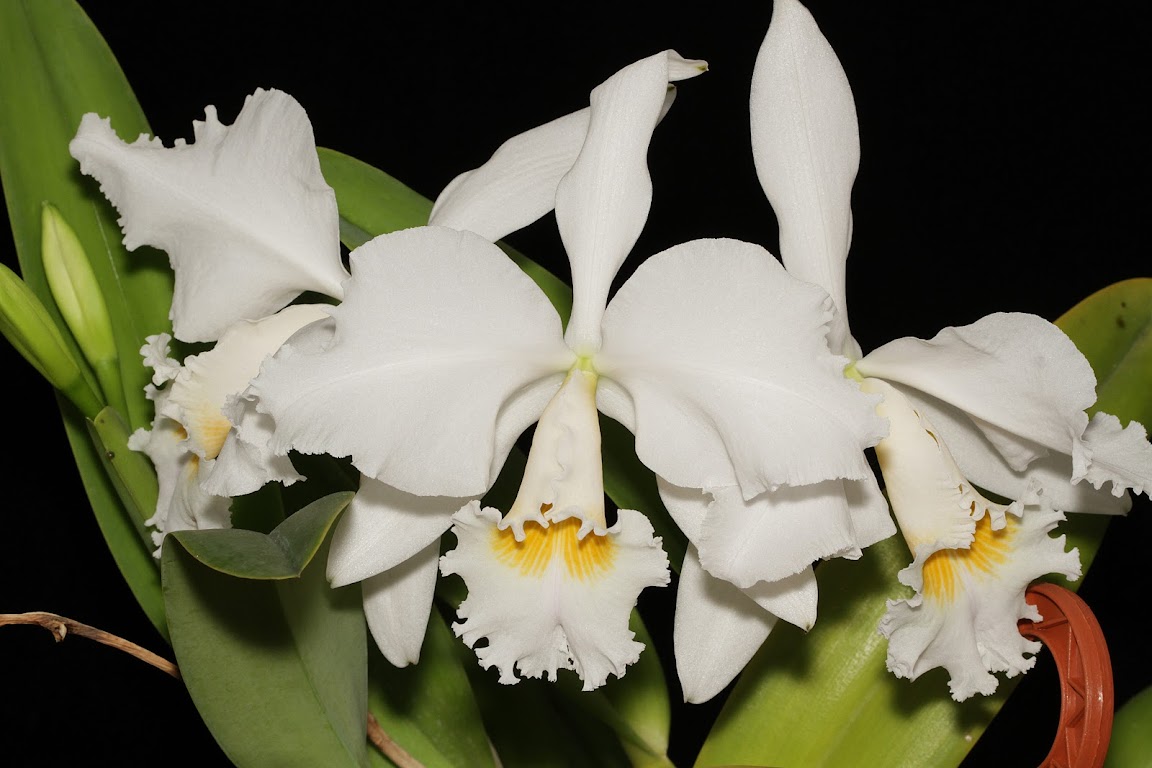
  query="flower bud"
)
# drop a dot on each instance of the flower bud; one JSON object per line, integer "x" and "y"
{"x": 25, "y": 322}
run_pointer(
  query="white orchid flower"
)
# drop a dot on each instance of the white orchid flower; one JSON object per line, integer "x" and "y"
{"x": 998, "y": 404}
{"x": 248, "y": 224}
{"x": 443, "y": 352}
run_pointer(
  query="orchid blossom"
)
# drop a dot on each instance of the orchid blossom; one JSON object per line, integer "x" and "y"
{"x": 998, "y": 404}
{"x": 248, "y": 224}
{"x": 443, "y": 352}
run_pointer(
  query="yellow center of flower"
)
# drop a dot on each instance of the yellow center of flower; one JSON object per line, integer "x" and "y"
{"x": 945, "y": 570}
{"x": 585, "y": 558}
{"x": 209, "y": 428}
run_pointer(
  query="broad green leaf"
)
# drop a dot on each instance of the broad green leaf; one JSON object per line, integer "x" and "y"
{"x": 826, "y": 698}
{"x": 54, "y": 67}
{"x": 428, "y": 708}
{"x": 1131, "y": 745}
{"x": 132, "y": 555}
{"x": 635, "y": 706}
{"x": 130, "y": 472}
{"x": 277, "y": 669}
{"x": 1113, "y": 328}
{"x": 282, "y": 554}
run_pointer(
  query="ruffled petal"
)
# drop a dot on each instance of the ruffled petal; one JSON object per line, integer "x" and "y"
{"x": 806, "y": 145}
{"x": 200, "y": 391}
{"x": 973, "y": 560}
{"x": 553, "y": 601}
{"x": 443, "y": 353}
{"x": 716, "y": 631}
{"x": 777, "y": 534}
{"x": 603, "y": 202}
{"x": 397, "y": 604}
{"x": 983, "y": 464}
{"x": 383, "y": 528}
{"x": 730, "y": 382}
{"x": 244, "y": 213}
{"x": 1024, "y": 386}
{"x": 965, "y": 617}
{"x": 1120, "y": 456}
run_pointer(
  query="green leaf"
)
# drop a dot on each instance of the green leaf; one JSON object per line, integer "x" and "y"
{"x": 826, "y": 698}
{"x": 282, "y": 554}
{"x": 130, "y": 472}
{"x": 636, "y": 706}
{"x": 277, "y": 669}
{"x": 428, "y": 708}
{"x": 1131, "y": 745}
{"x": 1113, "y": 329}
{"x": 54, "y": 67}
{"x": 133, "y": 556}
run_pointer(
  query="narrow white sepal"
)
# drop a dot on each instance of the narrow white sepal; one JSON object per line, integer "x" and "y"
{"x": 806, "y": 146}
{"x": 397, "y": 604}
{"x": 244, "y": 213}
{"x": 553, "y": 602}
{"x": 603, "y": 201}
{"x": 382, "y": 528}
{"x": 716, "y": 631}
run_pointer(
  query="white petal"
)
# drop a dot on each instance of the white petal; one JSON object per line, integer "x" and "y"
{"x": 716, "y": 631}
{"x": 1024, "y": 385}
{"x": 965, "y": 619}
{"x": 444, "y": 352}
{"x": 603, "y": 202}
{"x": 157, "y": 356}
{"x": 207, "y": 381}
{"x": 382, "y": 528}
{"x": 553, "y": 601}
{"x": 777, "y": 534}
{"x": 806, "y": 145}
{"x": 724, "y": 357}
{"x": 397, "y": 604}
{"x": 1016, "y": 373}
{"x": 982, "y": 463}
{"x": 517, "y": 185}
{"x": 1121, "y": 456}
{"x": 244, "y": 213}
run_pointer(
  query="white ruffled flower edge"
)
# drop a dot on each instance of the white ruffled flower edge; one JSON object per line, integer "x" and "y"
{"x": 546, "y": 619}
{"x": 974, "y": 634}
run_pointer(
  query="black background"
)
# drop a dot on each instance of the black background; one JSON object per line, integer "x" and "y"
{"x": 1003, "y": 169}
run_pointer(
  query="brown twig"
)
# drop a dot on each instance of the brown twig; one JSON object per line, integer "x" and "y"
{"x": 390, "y": 749}
{"x": 61, "y": 626}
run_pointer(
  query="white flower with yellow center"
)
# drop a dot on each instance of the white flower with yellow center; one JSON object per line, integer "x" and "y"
{"x": 249, "y": 224}
{"x": 443, "y": 352}
{"x": 998, "y": 404}
{"x": 190, "y": 428}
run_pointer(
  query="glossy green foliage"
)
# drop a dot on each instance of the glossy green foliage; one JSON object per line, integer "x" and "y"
{"x": 277, "y": 669}
{"x": 283, "y": 553}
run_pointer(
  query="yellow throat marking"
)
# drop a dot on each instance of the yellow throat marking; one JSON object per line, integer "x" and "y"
{"x": 585, "y": 558}
{"x": 944, "y": 570}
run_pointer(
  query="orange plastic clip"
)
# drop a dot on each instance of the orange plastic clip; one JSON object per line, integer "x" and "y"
{"x": 1073, "y": 636}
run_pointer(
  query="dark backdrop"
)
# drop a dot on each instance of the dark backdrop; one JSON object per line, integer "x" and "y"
{"x": 1002, "y": 154}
